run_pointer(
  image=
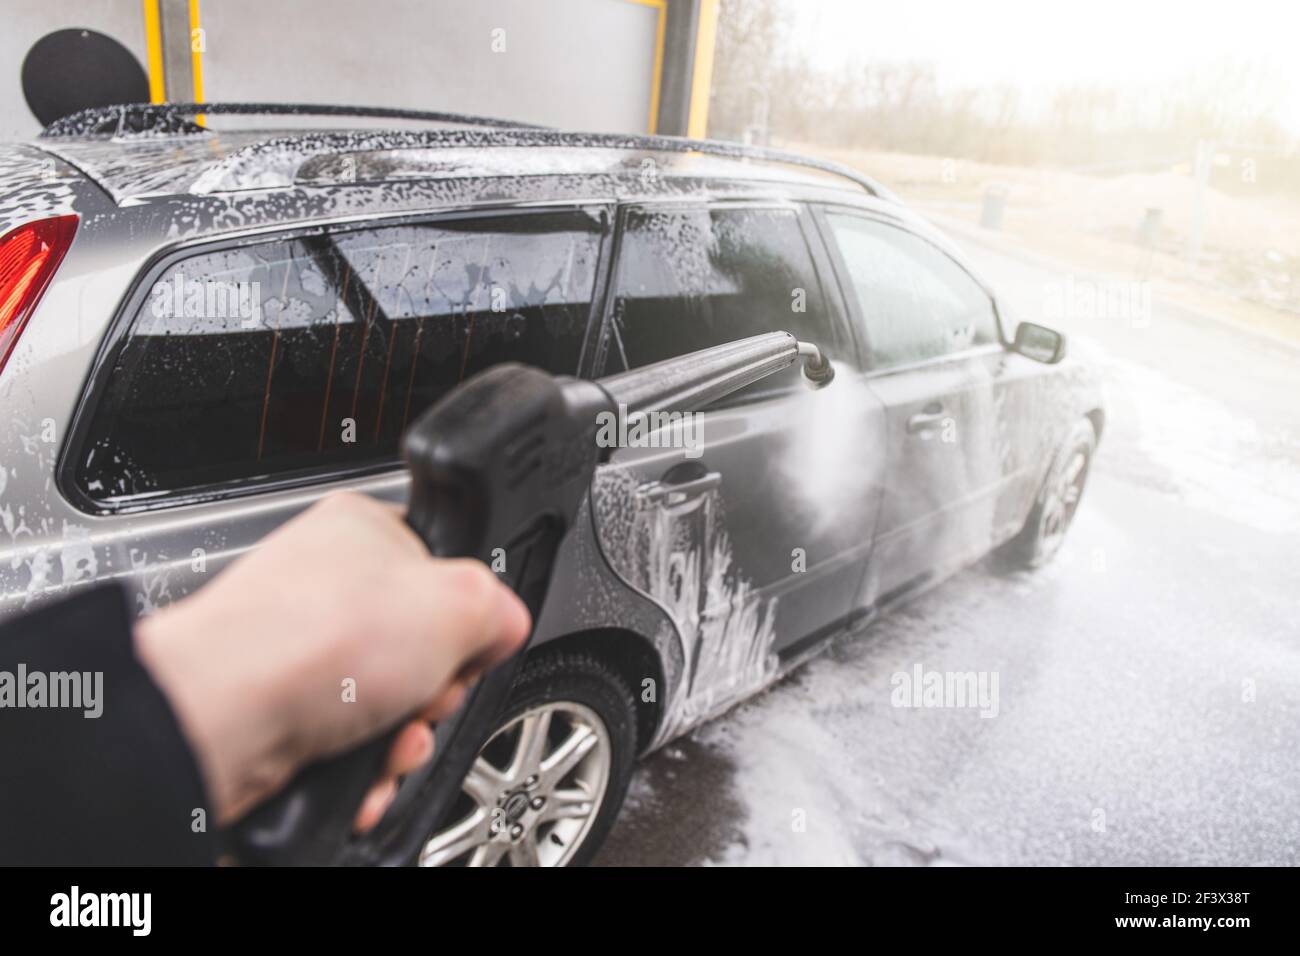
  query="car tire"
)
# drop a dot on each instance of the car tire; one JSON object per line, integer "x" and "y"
{"x": 574, "y": 693}
{"x": 1055, "y": 506}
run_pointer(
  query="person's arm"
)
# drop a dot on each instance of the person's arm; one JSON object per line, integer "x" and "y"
{"x": 338, "y": 626}
{"x": 109, "y": 782}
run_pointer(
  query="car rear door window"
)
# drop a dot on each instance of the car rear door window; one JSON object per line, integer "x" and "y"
{"x": 690, "y": 278}
{"x": 916, "y": 301}
{"x": 296, "y": 356}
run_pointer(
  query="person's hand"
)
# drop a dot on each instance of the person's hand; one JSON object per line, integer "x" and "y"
{"x": 336, "y": 627}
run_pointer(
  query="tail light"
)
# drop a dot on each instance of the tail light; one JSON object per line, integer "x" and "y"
{"x": 29, "y": 255}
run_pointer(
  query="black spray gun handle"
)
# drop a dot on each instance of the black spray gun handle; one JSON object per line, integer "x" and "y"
{"x": 498, "y": 469}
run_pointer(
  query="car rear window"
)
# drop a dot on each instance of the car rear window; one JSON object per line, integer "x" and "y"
{"x": 300, "y": 356}
{"x": 691, "y": 278}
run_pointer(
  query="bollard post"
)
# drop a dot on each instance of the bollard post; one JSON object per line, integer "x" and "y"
{"x": 1149, "y": 227}
{"x": 995, "y": 203}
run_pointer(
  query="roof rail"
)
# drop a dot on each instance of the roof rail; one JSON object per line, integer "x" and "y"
{"x": 285, "y": 155}
{"x": 173, "y": 118}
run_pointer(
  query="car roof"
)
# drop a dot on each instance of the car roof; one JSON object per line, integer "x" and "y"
{"x": 142, "y": 152}
{"x": 227, "y": 162}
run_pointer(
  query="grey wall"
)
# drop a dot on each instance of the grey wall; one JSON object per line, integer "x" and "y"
{"x": 577, "y": 63}
{"x": 583, "y": 64}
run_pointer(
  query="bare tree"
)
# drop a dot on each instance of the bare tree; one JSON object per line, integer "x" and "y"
{"x": 760, "y": 74}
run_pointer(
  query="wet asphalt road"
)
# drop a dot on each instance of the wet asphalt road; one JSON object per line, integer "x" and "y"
{"x": 1148, "y": 680}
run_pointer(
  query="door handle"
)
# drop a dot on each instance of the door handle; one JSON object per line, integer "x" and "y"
{"x": 679, "y": 492}
{"x": 923, "y": 422}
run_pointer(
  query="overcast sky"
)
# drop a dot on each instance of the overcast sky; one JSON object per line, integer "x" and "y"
{"x": 1037, "y": 46}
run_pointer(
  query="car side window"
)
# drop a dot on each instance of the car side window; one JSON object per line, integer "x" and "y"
{"x": 916, "y": 302}
{"x": 691, "y": 278}
{"x": 298, "y": 356}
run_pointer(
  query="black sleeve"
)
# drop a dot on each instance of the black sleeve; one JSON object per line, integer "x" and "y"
{"x": 75, "y": 789}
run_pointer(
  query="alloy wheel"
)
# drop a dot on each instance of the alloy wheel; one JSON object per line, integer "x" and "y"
{"x": 1062, "y": 500}
{"x": 532, "y": 794}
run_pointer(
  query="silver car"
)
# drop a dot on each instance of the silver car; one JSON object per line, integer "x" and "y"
{"x": 202, "y": 332}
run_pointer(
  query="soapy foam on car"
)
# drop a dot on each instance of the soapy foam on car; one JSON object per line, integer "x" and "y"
{"x": 682, "y": 558}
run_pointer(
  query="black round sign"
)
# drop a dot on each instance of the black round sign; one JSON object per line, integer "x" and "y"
{"x": 70, "y": 70}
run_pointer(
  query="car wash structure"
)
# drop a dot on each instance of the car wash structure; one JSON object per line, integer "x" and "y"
{"x": 626, "y": 66}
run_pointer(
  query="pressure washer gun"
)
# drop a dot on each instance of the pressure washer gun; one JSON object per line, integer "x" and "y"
{"x": 502, "y": 461}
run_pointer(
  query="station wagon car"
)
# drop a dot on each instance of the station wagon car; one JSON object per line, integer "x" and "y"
{"x": 203, "y": 330}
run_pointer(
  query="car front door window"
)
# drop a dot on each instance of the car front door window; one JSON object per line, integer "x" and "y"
{"x": 917, "y": 303}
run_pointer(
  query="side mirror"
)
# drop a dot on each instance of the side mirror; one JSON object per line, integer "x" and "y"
{"x": 1039, "y": 343}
